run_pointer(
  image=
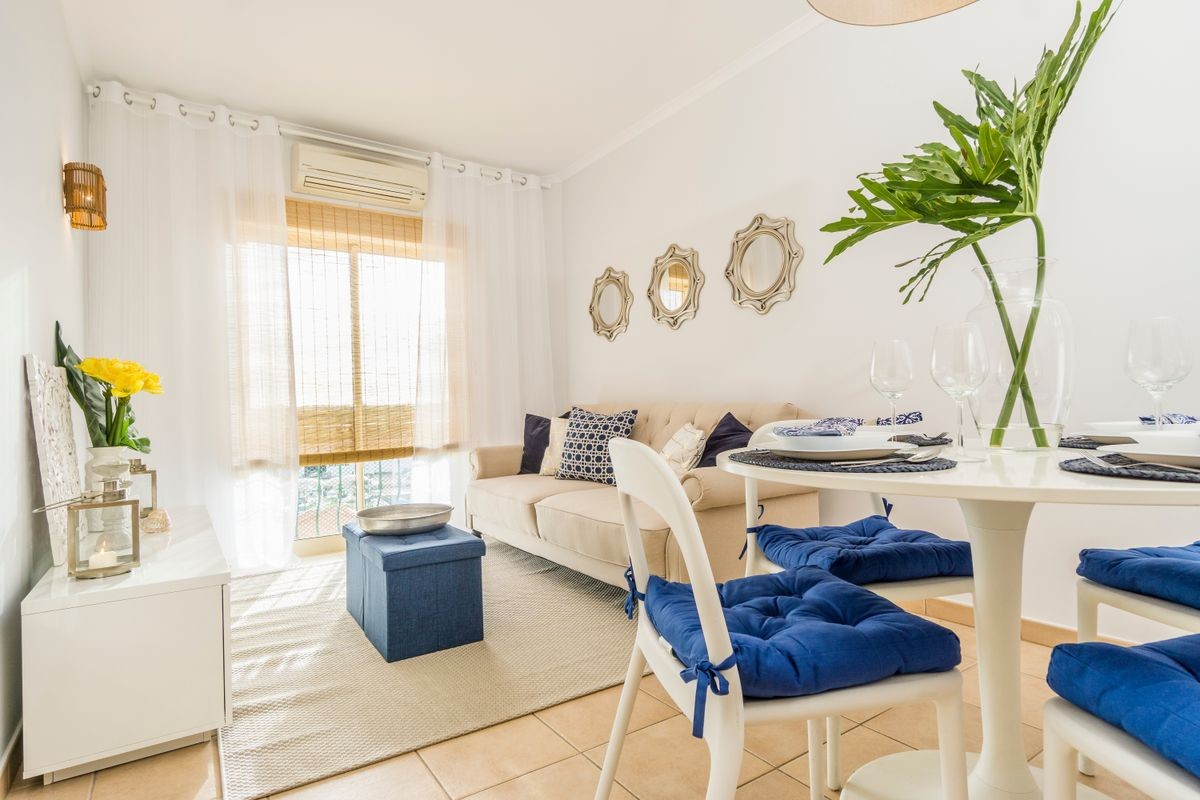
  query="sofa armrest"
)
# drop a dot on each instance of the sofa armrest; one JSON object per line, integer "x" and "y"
{"x": 496, "y": 461}
{"x": 713, "y": 487}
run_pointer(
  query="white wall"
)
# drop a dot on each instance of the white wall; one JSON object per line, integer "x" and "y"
{"x": 787, "y": 136}
{"x": 41, "y": 277}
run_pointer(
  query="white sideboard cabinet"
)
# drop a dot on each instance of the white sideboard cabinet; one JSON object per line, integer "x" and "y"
{"x": 120, "y": 668}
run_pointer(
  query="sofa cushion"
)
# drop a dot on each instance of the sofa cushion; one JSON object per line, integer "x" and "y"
{"x": 657, "y": 422}
{"x": 1169, "y": 573}
{"x": 729, "y": 434}
{"x": 1151, "y": 691}
{"x": 585, "y": 453}
{"x": 589, "y": 522}
{"x": 509, "y": 500}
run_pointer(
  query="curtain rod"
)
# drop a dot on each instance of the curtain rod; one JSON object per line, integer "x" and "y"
{"x": 329, "y": 137}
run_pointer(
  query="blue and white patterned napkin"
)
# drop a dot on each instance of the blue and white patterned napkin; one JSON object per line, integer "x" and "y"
{"x": 830, "y": 426}
{"x": 1170, "y": 419}
{"x": 903, "y": 418}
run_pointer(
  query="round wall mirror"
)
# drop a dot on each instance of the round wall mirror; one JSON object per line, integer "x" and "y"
{"x": 762, "y": 266}
{"x": 675, "y": 284}
{"x": 762, "y": 262}
{"x": 611, "y": 301}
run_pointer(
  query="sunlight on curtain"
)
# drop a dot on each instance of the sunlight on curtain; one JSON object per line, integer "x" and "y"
{"x": 191, "y": 279}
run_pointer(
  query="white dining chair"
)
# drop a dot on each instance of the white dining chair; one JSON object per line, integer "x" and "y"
{"x": 1070, "y": 732}
{"x": 898, "y": 591}
{"x": 715, "y": 703}
{"x": 1089, "y": 596}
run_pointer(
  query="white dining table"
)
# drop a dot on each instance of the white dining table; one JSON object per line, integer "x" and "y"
{"x": 997, "y": 496}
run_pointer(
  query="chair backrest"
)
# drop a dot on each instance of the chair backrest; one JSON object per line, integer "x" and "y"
{"x": 643, "y": 474}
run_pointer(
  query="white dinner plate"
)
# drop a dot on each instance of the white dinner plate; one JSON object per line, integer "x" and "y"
{"x": 1161, "y": 453}
{"x": 1132, "y": 427}
{"x": 809, "y": 444}
{"x": 860, "y": 453}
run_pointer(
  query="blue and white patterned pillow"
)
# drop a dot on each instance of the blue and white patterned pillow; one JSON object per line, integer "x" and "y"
{"x": 585, "y": 455}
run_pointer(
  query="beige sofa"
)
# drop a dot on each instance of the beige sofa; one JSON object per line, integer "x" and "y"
{"x": 578, "y": 523}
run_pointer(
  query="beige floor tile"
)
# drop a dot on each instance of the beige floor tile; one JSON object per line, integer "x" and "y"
{"x": 403, "y": 776}
{"x": 665, "y": 762}
{"x": 1034, "y": 694}
{"x": 772, "y": 786}
{"x": 859, "y": 746}
{"x": 575, "y": 777}
{"x": 781, "y": 742}
{"x": 862, "y": 716}
{"x": 1106, "y": 783}
{"x": 652, "y": 686}
{"x": 494, "y": 755}
{"x": 587, "y": 721}
{"x": 1035, "y": 659}
{"x": 74, "y": 789}
{"x": 189, "y": 773}
{"x": 916, "y": 726}
{"x": 966, "y": 636}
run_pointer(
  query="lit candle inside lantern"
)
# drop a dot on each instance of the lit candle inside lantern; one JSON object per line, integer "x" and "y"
{"x": 101, "y": 559}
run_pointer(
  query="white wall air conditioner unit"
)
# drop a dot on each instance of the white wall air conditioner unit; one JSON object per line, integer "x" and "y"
{"x": 333, "y": 173}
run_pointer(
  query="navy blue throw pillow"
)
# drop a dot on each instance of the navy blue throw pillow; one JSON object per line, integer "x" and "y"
{"x": 729, "y": 434}
{"x": 537, "y": 439}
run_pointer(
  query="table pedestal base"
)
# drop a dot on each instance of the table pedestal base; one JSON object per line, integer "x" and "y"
{"x": 916, "y": 776}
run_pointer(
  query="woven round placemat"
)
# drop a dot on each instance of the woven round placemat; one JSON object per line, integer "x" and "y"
{"x": 1128, "y": 468}
{"x": 1078, "y": 443}
{"x": 765, "y": 458}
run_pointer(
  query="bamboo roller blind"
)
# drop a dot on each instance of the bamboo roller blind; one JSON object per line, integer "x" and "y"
{"x": 356, "y": 287}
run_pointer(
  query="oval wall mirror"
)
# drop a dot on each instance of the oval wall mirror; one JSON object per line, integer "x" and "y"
{"x": 611, "y": 301}
{"x": 762, "y": 266}
{"x": 675, "y": 283}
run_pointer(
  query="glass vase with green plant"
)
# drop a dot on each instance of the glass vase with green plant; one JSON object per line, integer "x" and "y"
{"x": 986, "y": 182}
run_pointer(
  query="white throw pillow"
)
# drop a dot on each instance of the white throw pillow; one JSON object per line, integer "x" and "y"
{"x": 685, "y": 448}
{"x": 554, "y": 450}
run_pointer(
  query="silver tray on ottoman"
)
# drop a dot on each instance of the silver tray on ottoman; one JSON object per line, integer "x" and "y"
{"x": 404, "y": 518}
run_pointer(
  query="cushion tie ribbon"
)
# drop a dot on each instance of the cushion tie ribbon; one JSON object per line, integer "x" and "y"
{"x": 761, "y": 510}
{"x": 707, "y": 676}
{"x": 634, "y": 595}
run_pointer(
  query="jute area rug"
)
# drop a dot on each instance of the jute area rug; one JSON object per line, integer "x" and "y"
{"x": 312, "y": 697}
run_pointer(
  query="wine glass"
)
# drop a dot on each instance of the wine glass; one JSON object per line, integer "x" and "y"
{"x": 892, "y": 372}
{"x": 959, "y": 365}
{"x": 1158, "y": 358}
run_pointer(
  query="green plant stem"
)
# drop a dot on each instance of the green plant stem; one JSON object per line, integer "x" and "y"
{"x": 1010, "y": 339}
{"x": 1022, "y": 361}
{"x": 108, "y": 414}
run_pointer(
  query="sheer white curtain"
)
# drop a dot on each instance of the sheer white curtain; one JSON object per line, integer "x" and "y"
{"x": 191, "y": 280}
{"x": 490, "y": 233}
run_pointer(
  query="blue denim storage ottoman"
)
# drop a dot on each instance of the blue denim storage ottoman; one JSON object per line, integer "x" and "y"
{"x": 417, "y": 593}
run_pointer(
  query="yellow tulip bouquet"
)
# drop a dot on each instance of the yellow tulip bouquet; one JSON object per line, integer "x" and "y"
{"x": 103, "y": 387}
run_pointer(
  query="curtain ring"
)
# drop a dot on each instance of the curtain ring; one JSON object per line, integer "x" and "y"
{"x": 153, "y": 103}
{"x": 128, "y": 99}
{"x": 254, "y": 127}
{"x": 499, "y": 175}
{"x": 212, "y": 116}
{"x": 96, "y": 91}
{"x": 462, "y": 168}
{"x": 524, "y": 181}
{"x": 182, "y": 110}
{"x": 231, "y": 120}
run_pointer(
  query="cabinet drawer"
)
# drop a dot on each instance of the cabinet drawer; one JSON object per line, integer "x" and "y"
{"x": 105, "y": 678}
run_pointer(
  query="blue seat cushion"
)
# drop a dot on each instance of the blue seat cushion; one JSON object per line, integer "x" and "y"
{"x": 1152, "y": 691}
{"x": 1168, "y": 573}
{"x": 803, "y": 631}
{"x": 871, "y": 550}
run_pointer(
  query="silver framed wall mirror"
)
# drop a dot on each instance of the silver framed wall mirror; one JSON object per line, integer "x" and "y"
{"x": 675, "y": 284}
{"x": 611, "y": 300}
{"x": 763, "y": 263}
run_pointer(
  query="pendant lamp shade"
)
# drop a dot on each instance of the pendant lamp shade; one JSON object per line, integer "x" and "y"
{"x": 884, "y": 12}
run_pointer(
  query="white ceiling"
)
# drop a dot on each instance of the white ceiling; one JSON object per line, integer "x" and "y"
{"x": 531, "y": 84}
